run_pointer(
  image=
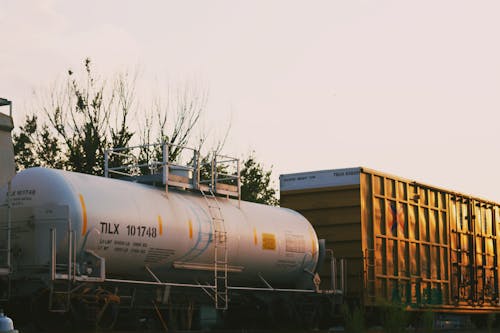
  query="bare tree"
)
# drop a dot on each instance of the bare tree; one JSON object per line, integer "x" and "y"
{"x": 173, "y": 119}
{"x": 84, "y": 116}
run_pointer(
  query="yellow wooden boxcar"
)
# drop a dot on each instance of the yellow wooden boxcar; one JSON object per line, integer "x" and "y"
{"x": 402, "y": 241}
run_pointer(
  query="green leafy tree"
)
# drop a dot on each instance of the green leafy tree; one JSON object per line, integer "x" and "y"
{"x": 79, "y": 125}
{"x": 85, "y": 115}
{"x": 256, "y": 183}
{"x": 34, "y": 146}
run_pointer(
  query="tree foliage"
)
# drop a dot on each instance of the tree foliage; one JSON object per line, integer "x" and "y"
{"x": 256, "y": 183}
{"x": 173, "y": 121}
{"x": 35, "y": 146}
{"x": 78, "y": 126}
{"x": 84, "y": 115}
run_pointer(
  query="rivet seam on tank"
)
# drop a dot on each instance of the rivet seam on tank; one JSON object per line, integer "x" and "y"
{"x": 84, "y": 215}
{"x": 160, "y": 225}
{"x": 190, "y": 229}
{"x": 255, "y": 238}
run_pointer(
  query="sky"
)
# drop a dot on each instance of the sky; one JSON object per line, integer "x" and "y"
{"x": 410, "y": 88}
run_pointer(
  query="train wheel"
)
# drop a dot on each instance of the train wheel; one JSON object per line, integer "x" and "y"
{"x": 108, "y": 314}
{"x": 90, "y": 315}
{"x": 96, "y": 308}
{"x": 45, "y": 320}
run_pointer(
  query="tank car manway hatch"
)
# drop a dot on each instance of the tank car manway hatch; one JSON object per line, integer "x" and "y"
{"x": 175, "y": 166}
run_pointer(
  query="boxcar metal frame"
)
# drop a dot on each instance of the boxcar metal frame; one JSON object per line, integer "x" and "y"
{"x": 405, "y": 242}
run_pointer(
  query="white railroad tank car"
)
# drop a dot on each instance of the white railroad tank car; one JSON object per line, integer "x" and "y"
{"x": 141, "y": 231}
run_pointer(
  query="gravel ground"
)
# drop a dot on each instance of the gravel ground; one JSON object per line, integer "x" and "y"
{"x": 31, "y": 329}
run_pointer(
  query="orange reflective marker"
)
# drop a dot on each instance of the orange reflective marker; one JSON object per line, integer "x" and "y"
{"x": 84, "y": 215}
{"x": 160, "y": 225}
{"x": 190, "y": 229}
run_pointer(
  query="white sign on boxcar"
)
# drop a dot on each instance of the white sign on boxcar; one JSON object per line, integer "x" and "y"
{"x": 319, "y": 179}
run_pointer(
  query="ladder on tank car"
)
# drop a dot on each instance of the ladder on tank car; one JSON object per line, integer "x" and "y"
{"x": 5, "y": 241}
{"x": 183, "y": 167}
{"x": 220, "y": 249}
{"x": 5, "y": 247}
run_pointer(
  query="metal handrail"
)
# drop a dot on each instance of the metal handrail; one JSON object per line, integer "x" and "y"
{"x": 229, "y": 157}
{"x": 119, "y": 154}
{"x": 223, "y": 179}
{"x": 120, "y": 173}
{"x": 227, "y": 175}
{"x": 149, "y": 145}
{"x": 186, "y": 167}
{"x": 134, "y": 166}
{"x": 192, "y": 164}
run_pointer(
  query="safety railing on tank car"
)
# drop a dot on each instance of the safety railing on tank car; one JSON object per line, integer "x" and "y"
{"x": 140, "y": 162}
{"x": 224, "y": 176}
{"x": 179, "y": 166}
{"x": 182, "y": 168}
{"x": 130, "y": 169}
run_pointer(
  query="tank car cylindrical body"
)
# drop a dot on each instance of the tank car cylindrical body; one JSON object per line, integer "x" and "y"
{"x": 134, "y": 226}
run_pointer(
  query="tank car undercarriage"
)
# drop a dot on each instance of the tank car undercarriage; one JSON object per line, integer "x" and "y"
{"x": 61, "y": 305}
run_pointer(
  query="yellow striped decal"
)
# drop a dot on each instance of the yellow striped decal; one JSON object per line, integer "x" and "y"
{"x": 190, "y": 229}
{"x": 160, "y": 225}
{"x": 84, "y": 215}
{"x": 313, "y": 243}
{"x": 255, "y": 238}
{"x": 268, "y": 241}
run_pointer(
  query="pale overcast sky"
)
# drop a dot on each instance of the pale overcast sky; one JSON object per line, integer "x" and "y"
{"x": 410, "y": 88}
